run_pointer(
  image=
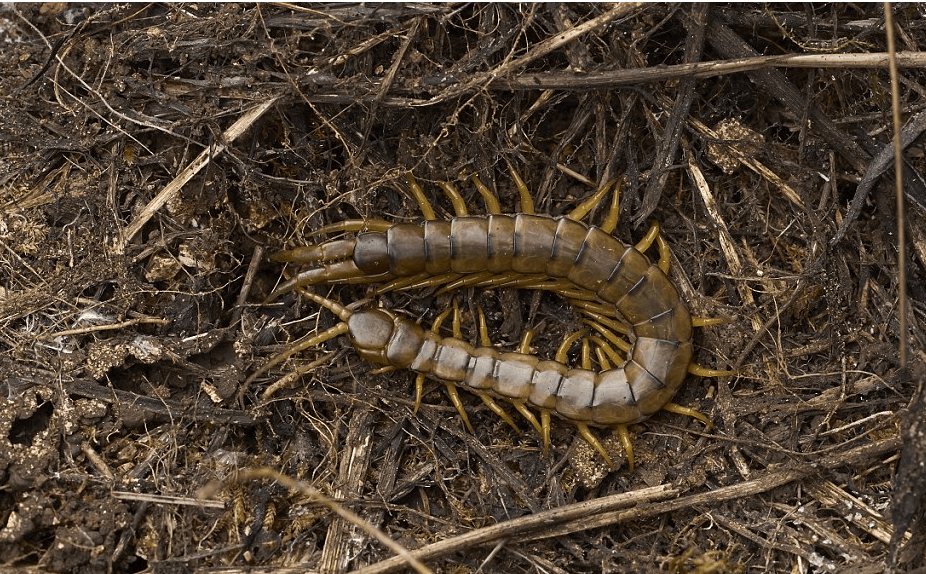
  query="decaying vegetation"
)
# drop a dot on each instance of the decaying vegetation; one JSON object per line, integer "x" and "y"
{"x": 155, "y": 155}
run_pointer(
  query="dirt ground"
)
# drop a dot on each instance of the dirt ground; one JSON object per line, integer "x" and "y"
{"x": 156, "y": 156}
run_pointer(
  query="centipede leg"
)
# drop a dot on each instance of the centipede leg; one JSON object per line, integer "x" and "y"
{"x": 456, "y": 200}
{"x": 491, "y": 200}
{"x": 606, "y": 354}
{"x": 591, "y": 439}
{"x": 546, "y": 425}
{"x": 427, "y": 210}
{"x": 495, "y": 408}
{"x": 586, "y": 206}
{"x": 610, "y": 222}
{"x": 527, "y": 202}
{"x": 623, "y": 433}
{"x": 665, "y": 254}
{"x": 688, "y": 412}
{"x": 419, "y": 281}
{"x": 701, "y": 371}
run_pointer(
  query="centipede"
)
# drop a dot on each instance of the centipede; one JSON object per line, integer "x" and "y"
{"x": 615, "y": 286}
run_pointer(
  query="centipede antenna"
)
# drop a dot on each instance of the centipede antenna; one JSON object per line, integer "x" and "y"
{"x": 623, "y": 433}
{"x": 341, "y": 311}
{"x": 336, "y": 272}
{"x": 648, "y": 239}
{"x": 562, "y": 354}
{"x": 527, "y": 202}
{"x": 591, "y": 439}
{"x": 336, "y": 331}
{"x": 610, "y": 222}
{"x": 491, "y": 200}
{"x": 331, "y": 251}
{"x": 688, "y": 412}
{"x": 701, "y": 371}
{"x": 456, "y": 200}
{"x": 589, "y": 204}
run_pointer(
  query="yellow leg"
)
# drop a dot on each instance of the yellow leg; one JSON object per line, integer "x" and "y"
{"x": 493, "y": 406}
{"x": 648, "y": 239}
{"x": 699, "y": 371}
{"x": 608, "y": 334}
{"x": 605, "y": 353}
{"x": 527, "y": 414}
{"x": 610, "y": 222}
{"x": 525, "y": 346}
{"x": 623, "y": 433}
{"x": 562, "y": 354}
{"x": 400, "y": 283}
{"x": 456, "y": 200}
{"x": 492, "y": 206}
{"x": 527, "y": 202}
{"x": 427, "y": 210}
{"x": 458, "y": 404}
{"x": 665, "y": 256}
{"x": 583, "y": 208}
{"x": 707, "y": 321}
{"x": 382, "y": 370}
{"x": 591, "y": 439}
{"x": 545, "y": 426}
{"x": 688, "y": 412}
{"x": 483, "y": 329}
{"x": 481, "y": 279}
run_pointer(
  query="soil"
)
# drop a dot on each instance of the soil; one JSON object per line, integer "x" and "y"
{"x": 156, "y": 156}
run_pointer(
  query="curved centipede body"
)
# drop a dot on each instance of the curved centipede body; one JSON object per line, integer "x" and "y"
{"x": 503, "y": 249}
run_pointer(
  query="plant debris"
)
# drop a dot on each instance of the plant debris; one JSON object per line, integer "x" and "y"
{"x": 154, "y": 155}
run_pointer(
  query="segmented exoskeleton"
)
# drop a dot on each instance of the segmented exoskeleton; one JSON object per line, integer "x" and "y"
{"x": 562, "y": 254}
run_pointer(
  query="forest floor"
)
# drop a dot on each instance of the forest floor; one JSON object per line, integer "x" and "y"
{"x": 156, "y": 156}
